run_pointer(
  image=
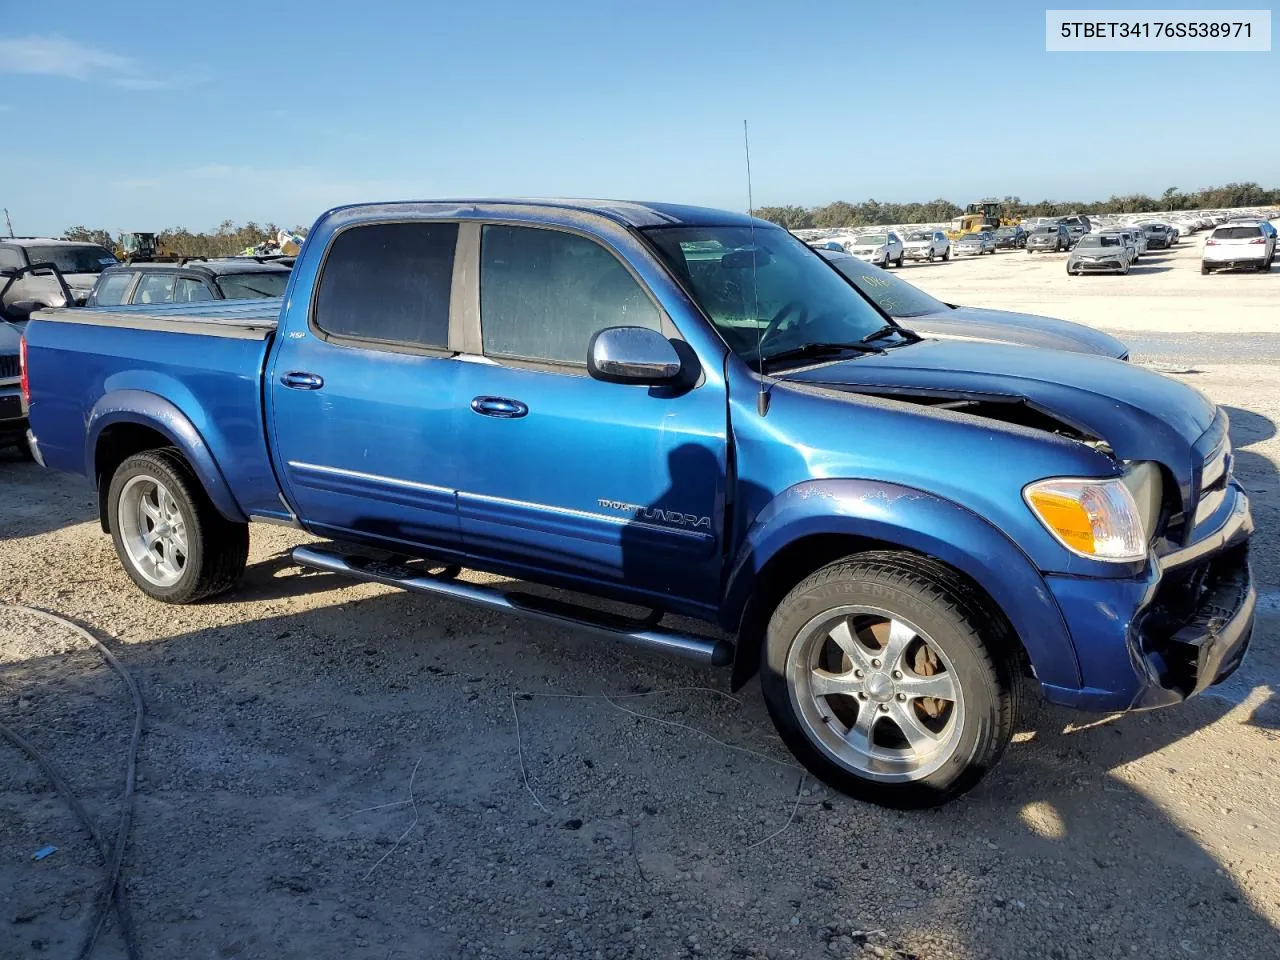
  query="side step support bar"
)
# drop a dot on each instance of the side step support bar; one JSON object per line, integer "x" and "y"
{"x": 717, "y": 653}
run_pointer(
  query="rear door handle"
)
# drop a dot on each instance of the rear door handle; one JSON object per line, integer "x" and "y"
{"x": 302, "y": 381}
{"x": 499, "y": 407}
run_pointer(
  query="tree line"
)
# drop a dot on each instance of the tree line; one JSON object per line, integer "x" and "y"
{"x": 874, "y": 213}
{"x": 227, "y": 240}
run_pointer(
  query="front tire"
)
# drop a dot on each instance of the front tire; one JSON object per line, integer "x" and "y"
{"x": 890, "y": 679}
{"x": 170, "y": 539}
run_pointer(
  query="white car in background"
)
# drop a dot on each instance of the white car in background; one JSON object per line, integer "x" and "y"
{"x": 1239, "y": 244}
{"x": 883, "y": 249}
{"x": 927, "y": 245}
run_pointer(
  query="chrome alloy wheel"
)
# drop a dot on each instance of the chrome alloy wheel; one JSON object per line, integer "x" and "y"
{"x": 153, "y": 531}
{"x": 875, "y": 693}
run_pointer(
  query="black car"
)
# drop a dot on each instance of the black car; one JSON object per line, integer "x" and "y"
{"x": 1159, "y": 235}
{"x": 189, "y": 281}
{"x": 1011, "y": 238}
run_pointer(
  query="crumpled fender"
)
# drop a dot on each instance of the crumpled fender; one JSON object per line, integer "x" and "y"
{"x": 154, "y": 411}
{"x": 919, "y": 521}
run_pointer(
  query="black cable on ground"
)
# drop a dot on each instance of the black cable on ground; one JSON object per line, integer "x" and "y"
{"x": 113, "y": 889}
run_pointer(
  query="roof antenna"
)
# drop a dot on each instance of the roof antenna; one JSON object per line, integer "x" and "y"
{"x": 762, "y": 399}
{"x": 8, "y": 222}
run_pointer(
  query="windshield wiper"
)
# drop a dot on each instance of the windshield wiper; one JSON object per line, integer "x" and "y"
{"x": 813, "y": 351}
{"x": 908, "y": 336}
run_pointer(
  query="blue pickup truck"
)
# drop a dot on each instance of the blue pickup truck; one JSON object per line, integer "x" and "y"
{"x": 690, "y": 412}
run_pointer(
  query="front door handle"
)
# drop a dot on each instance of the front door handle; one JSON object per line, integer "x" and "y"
{"x": 499, "y": 407}
{"x": 302, "y": 381}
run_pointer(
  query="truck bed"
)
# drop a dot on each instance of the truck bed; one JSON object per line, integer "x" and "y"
{"x": 241, "y": 319}
{"x": 198, "y": 363}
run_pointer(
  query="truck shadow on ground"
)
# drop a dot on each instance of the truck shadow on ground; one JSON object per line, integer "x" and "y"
{"x": 38, "y": 500}
{"x": 267, "y": 740}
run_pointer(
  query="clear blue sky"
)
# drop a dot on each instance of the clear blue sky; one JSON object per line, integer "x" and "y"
{"x": 146, "y": 114}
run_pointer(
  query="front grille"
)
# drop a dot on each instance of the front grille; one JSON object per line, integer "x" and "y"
{"x": 8, "y": 367}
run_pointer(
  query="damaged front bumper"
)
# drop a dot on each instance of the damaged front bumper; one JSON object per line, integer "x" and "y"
{"x": 1167, "y": 635}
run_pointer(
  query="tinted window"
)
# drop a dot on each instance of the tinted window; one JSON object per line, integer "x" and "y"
{"x": 1237, "y": 233}
{"x": 189, "y": 290}
{"x": 154, "y": 288}
{"x": 246, "y": 286}
{"x": 74, "y": 259}
{"x": 111, "y": 289}
{"x": 543, "y": 293}
{"x": 388, "y": 282}
{"x": 10, "y": 258}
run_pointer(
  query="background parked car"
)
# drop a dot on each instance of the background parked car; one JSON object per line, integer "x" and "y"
{"x": 233, "y": 278}
{"x": 930, "y": 317}
{"x": 1158, "y": 235}
{"x": 927, "y": 245}
{"x": 1011, "y": 238}
{"x": 1235, "y": 245}
{"x": 1099, "y": 253}
{"x": 36, "y": 272}
{"x": 1127, "y": 238}
{"x": 13, "y": 419}
{"x": 880, "y": 248}
{"x": 1077, "y": 226}
{"x": 975, "y": 244}
{"x": 1049, "y": 238}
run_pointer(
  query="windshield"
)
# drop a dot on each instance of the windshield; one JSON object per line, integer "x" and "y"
{"x": 1094, "y": 240}
{"x": 920, "y": 236}
{"x": 1006, "y": 232}
{"x": 1046, "y": 228}
{"x": 791, "y": 298}
{"x": 247, "y": 286}
{"x": 872, "y": 239}
{"x": 895, "y": 297}
{"x": 90, "y": 258}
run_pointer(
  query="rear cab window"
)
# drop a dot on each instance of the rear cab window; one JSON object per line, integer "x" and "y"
{"x": 155, "y": 287}
{"x": 111, "y": 289}
{"x": 388, "y": 283}
{"x": 545, "y": 292}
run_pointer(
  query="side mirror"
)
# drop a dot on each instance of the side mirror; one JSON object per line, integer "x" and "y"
{"x": 635, "y": 355}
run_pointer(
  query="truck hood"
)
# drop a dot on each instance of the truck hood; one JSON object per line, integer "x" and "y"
{"x": 1025, "y": 329}
{"x": 1139, "y": 414}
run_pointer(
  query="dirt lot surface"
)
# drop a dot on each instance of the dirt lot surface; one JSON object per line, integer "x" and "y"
{"x": 333, "y": 770}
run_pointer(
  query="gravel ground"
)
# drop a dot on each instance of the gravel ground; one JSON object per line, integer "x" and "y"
{"x": 280, "y": 714}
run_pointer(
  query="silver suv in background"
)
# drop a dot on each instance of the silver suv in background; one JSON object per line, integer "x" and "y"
{"x": 928, "y": 245}
{"x": 883, "y": 249}
{"x": 36, "y": 272}
{"x": 1049, "y": 238}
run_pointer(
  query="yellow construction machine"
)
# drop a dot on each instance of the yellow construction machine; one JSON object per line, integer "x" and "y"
{"x": 982, "y": 215}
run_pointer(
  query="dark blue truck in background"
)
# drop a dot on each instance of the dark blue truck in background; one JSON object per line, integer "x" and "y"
{"x": 689, "y": 411}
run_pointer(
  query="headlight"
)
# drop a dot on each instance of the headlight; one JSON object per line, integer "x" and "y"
{"x": 1100, "y": 519}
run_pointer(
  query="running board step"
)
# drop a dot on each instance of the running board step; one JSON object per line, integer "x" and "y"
{"x": 717, "y": 653}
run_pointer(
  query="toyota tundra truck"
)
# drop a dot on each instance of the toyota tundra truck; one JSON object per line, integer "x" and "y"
{"x": 688, "y": 412}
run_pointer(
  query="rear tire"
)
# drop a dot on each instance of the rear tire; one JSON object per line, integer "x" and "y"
{"x": 24, "y": 449}
{"x": 873, "y": 633}
{"x": 946, "y": 255}
{"x": 170, "y": 539}
{"x": 1204, "y": 268}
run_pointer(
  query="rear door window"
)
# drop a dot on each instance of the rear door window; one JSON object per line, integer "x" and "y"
{"x": 191, "y": 290}
{"x": 389, "y": 283}
{"x": 155, "y": 288}
{"x": 112, "y": 288}
{"x": 543, "y": 293}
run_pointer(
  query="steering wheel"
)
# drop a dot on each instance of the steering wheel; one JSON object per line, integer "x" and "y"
{"x": 788, "y": 308}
